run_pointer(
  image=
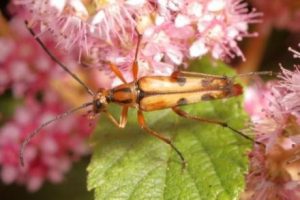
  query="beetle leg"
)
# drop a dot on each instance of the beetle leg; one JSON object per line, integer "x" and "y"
{"x": 143, "y": 125}
{"x": 135, "y": 67}
{"x": 117, "y": 72}
{"x": 135, "y": 70}
{"x": 184, "y": 114}
{"x": 123, "y": 118}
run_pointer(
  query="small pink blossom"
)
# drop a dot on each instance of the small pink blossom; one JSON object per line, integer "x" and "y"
{"x": 255, "y": 98}
{"x": 267, "y": 113}
{"x": 273, "y": 175}
{"x": 291, "y": 83}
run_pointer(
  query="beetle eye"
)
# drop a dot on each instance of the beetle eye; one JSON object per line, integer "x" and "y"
{"x": 98, "y": 105}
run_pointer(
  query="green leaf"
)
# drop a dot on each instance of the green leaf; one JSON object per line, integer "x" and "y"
{"x": 7, "y": 106}
{"x": 130, "y": 164}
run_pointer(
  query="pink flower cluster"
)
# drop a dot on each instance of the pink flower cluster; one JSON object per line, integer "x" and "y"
{"x": 172, "y": 31}
{"x": 49, "y": 155}
{"x": 25, "y": 68}
{"x": 275, "y": 164}
{"x": 28, "y": 72}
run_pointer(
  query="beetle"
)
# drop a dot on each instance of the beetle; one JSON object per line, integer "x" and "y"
{"x": 150, "y": 93}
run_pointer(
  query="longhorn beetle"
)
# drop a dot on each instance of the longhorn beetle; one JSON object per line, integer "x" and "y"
{"x": 151, "y": 93}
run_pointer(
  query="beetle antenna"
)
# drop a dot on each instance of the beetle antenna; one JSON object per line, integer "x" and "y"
{"x": 137, "y": 45}
{"x": 36, "y": 131}
{"x": 58, "y": 62}
{"x": 225, "y": 125}
{"x": 268, "y": 73}
{"x": 263, "y": 73}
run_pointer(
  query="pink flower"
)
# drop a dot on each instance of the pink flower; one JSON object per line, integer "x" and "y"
{"x": 291, "y": 83}
{"x": 28, "y": 71}
{"x": 75, "y": 22}
{"x": 172, "y": 31}
{"x": 255, "y": 98}
{"x": 274, "y": 174}
{"x": 274, "y": 165}
{"x": 267, "y": 113}
{"x": 219, "y": 24}
{"x": 25, "y": 67}
{"x": 49, "y": 155}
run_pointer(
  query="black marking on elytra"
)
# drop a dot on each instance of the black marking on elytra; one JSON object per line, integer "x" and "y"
{"x": 207, "y": 97}
{"x": 181, "y": 80}
{"x": 228, "y": 89}
{"x": 182, "y": 101}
